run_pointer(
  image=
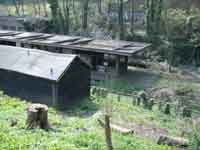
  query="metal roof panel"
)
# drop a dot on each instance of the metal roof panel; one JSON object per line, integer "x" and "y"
{"x": 33, "y": 62}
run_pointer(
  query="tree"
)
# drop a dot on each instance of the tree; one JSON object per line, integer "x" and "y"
{"x": 85, "y": 15}
{"x": 44, "y": 7}
{"x": 35, "y": 7}
{"x": 54, "y": 5}
{"x": 121, "y": 19}
{"x": 110, "y": 26}
{"x": 66, "y": 16}
{"x": 17, "y": 9}
{"x": 154, "y": 11}
{"x": 99, "y": 6}
{"x": 22, "y": 6}
{"x": 39, "y": 7}
{"x": 132, "y": 15}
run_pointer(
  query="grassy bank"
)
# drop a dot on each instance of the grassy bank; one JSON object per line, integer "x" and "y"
{"x": 75, "y": 129}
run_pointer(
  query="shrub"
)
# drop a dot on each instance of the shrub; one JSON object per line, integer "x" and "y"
{"x": 195, "y": 138}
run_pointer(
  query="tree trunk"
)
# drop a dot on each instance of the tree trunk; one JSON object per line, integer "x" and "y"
{"x": 100, "y": 6}
{"x": 110, "y": 26}
{"x": 66, "y": 16}
{"x": 37, "y": 115}
{"x": 16, "y": 7}
{"x": 85, "y": 15}
{"x": 132, "y": 15}
{"x": 148, "y": 11}
{"x": 39, "y": 7}
{"x": 121, "y": 19}
{"x": 44, "y": 3}
{"x": 35, "y": 8}
{"x": 188, "y": 7}
{"x": 22, "y": 5}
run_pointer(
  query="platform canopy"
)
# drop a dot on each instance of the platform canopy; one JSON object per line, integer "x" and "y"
{"x": 115, "y": 47}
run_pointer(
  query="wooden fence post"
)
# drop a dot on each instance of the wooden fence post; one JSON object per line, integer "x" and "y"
{"x": 187, "y": 112}
{"x": 167, "y": 109}
{"x": 108, "y": 132}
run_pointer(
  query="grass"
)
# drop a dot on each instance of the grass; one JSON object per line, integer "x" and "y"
{"x": 74, "y": 129}
{"x": 77, "y": 128}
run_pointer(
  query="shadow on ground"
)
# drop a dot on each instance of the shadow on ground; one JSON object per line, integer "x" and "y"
{"x": 81, "y": 108}
{"x": 140, "y": 78}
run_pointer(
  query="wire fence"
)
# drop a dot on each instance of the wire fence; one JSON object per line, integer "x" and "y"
{"x": 180, "y": 105}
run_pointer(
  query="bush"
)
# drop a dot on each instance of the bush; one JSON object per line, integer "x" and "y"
{"x": 195, "y": 138}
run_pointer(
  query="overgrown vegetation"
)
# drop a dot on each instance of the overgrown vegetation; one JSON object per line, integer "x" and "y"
{"x": 75, "y": 129}
{"x": 173, "y": 32}
{"x": 175, "y": 37}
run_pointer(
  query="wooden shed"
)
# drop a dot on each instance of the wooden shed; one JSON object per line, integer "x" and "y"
{"x": 43, "y": 77}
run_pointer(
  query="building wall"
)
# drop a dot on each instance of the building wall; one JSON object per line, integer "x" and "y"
{"x": 26, "y": 87}
{"x": 75, "y": 84}
{"x": 11, "y": 23}
{"x": 7, "y": 43}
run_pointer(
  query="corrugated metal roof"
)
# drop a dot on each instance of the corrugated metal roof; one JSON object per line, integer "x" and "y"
{"x": 35, "y": 63}
{"x": 116, "y": 47}
{"x": 8, "y": 33}
{"x": 57, "y": 39}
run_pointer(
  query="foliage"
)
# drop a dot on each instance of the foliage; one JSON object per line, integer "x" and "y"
{"x": 175, "y": 23}
{"x": 195, "y": 138}
{"x": 182, "y": 36}
{"x": 75, "y": 129}
{"x": 154, "y": 12}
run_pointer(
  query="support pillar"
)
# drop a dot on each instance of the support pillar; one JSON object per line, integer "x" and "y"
{"x": 18, "y": 44}
{"x": 54, "y": 94}
{"x": 117, "y": 65}
{"x": 126, "y": 64}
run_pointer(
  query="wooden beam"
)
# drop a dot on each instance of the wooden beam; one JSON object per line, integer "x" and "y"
{"x": 18, "y": 44}
{"x": 126, "y": 64}
{"x": 54, "y": 94}
{"x": 117, "y": 64}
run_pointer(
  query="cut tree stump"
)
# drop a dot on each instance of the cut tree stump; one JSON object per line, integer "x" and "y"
{"x": 37, "y": 116}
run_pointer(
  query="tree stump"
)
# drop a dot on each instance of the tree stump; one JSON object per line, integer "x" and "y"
{"x": 37, "y": 116}
{"x": 187, "y": 112}
{"x": 94, "y": 91}
{"x": 118, "y": 98}
{"x": 167, "y": 110}
{"x": 151, "y": 103}
{"x": 160, "y": 105}
{"x": 134, "y": 102}
{"x": 143, "y": 98}
{"x": 138, "y": 101}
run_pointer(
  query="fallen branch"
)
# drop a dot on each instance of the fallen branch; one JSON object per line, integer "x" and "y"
{"x": 172, "y": 141}
{"x": 117, "y": 128}
{"x": 162, "y": 139}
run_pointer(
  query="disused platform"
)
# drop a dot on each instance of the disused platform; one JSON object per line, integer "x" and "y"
{"x": 103, "y": 55}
